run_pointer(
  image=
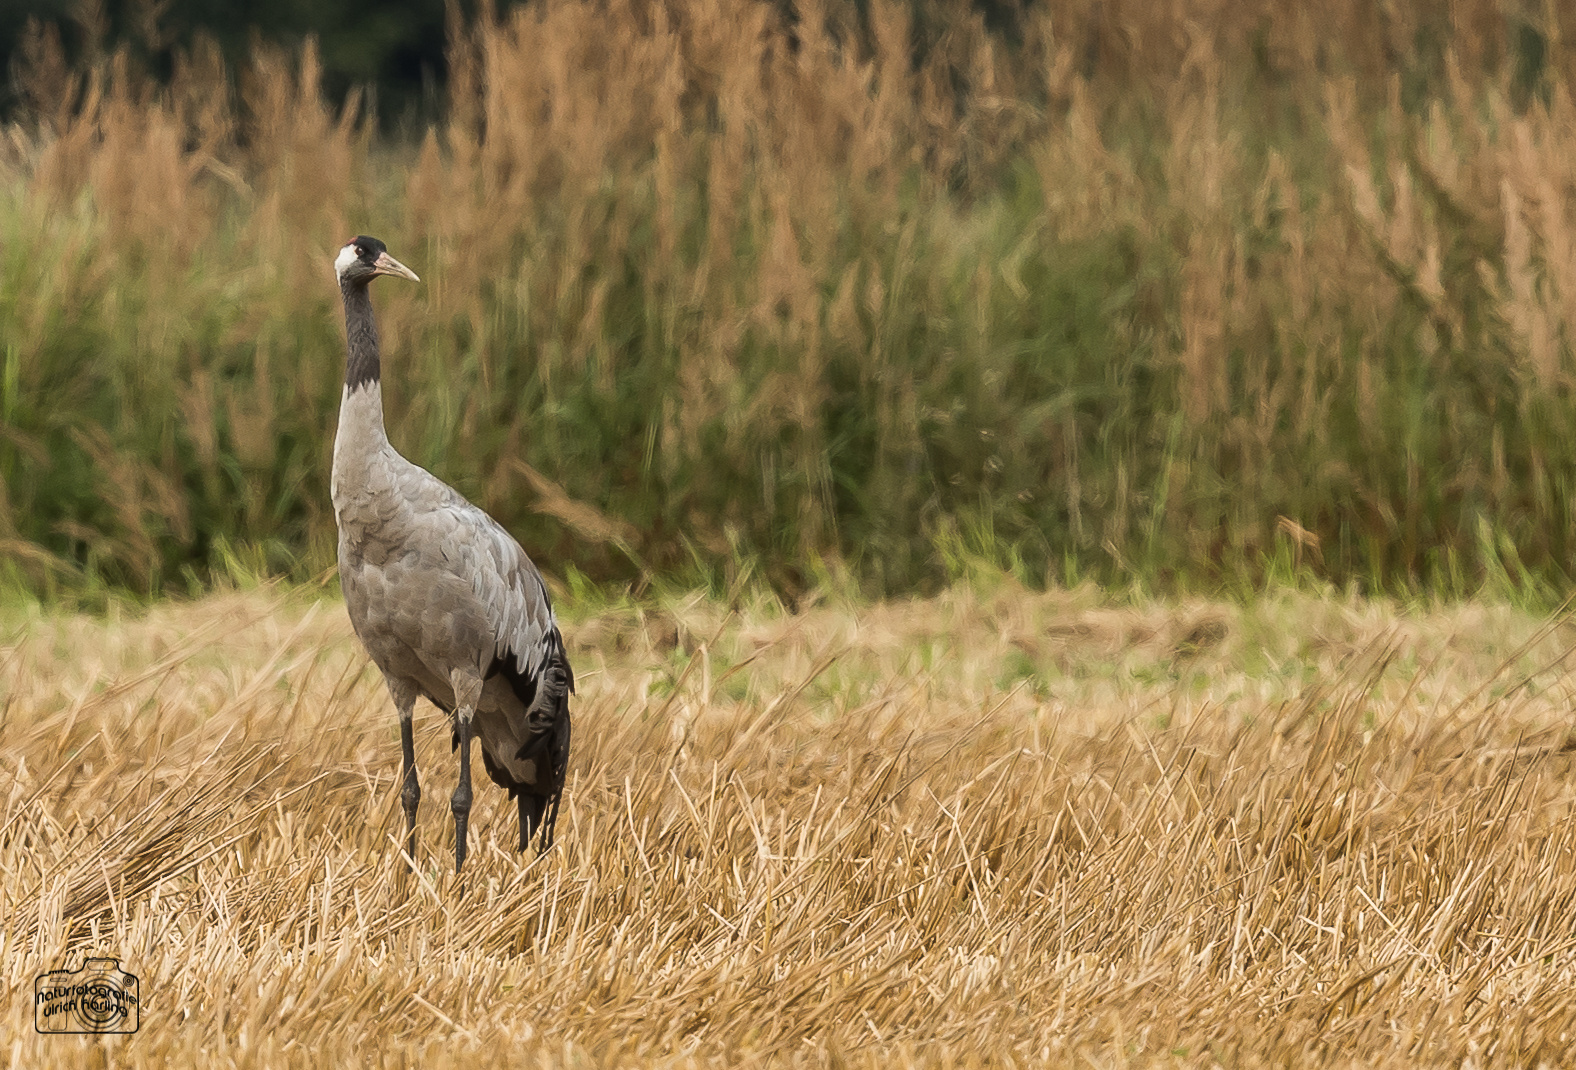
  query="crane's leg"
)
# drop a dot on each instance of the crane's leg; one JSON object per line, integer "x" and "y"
{"x": 410, "y": 794}
{"x": 460, "y": 802}
{"x": 467, "y": 693}
{"x": 531, "y": 807}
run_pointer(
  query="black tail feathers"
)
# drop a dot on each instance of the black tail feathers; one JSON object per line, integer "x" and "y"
{"x": 540, "y": 810}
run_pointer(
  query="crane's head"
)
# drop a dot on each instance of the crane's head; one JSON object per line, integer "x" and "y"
{"x": 364, "y": 259}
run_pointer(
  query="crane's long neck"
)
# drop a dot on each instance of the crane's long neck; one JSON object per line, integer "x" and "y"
{"x": 362, "y": 366}
{"x": 361, "y": 435}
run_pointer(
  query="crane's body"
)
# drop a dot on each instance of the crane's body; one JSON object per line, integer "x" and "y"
{"x": 447, "y": 604}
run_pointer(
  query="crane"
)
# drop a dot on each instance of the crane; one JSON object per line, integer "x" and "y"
{"x": 447, "y": 604}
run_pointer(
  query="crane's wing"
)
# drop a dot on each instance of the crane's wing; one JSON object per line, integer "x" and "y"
{"x": 509, "y": 592}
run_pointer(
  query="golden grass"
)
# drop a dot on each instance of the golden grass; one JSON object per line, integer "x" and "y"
{"x": 985, "y": 828}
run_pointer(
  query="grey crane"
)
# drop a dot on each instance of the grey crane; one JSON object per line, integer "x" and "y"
{"x": 445, "y": 601}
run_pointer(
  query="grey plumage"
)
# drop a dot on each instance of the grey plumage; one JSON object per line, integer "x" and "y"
{"x": 446, "y": 602}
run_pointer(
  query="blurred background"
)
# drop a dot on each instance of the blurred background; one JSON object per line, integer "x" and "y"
{"x": 878, "y": 294}
{"x": 394, "y": 46}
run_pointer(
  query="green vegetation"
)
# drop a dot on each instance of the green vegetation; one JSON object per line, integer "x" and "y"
{"x": 870, "y": 296}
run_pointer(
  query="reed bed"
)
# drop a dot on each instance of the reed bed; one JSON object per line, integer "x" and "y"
{"x": 992, "y": 827}
{"x": 1177, "y": 296}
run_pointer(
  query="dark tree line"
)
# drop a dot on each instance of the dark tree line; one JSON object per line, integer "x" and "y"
{"x": 395, "y": 45}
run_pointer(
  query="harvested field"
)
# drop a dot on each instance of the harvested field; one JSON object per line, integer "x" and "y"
{"x": 992, "y": 827}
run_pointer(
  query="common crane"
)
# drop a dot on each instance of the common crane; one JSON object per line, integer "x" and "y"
{"x": 444, "y": 600}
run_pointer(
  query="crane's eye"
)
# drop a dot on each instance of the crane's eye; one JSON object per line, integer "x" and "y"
{"x": 360, "y": 252}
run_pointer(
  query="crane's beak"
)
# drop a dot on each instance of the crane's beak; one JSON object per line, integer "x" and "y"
{"x": 387, "y": 265}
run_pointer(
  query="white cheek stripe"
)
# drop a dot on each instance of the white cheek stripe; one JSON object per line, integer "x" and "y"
{"x": 346, "y": 257}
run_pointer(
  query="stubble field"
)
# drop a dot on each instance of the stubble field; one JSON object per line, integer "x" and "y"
{"x": 993, "y": 827}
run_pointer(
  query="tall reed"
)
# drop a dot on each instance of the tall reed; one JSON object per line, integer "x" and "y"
{"x": 1173, "y": 296}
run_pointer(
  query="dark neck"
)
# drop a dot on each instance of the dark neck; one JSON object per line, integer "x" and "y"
{"x": 362, "y": 365}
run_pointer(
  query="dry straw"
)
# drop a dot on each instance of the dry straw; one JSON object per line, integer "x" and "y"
{"x": 1013, "y": 829}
